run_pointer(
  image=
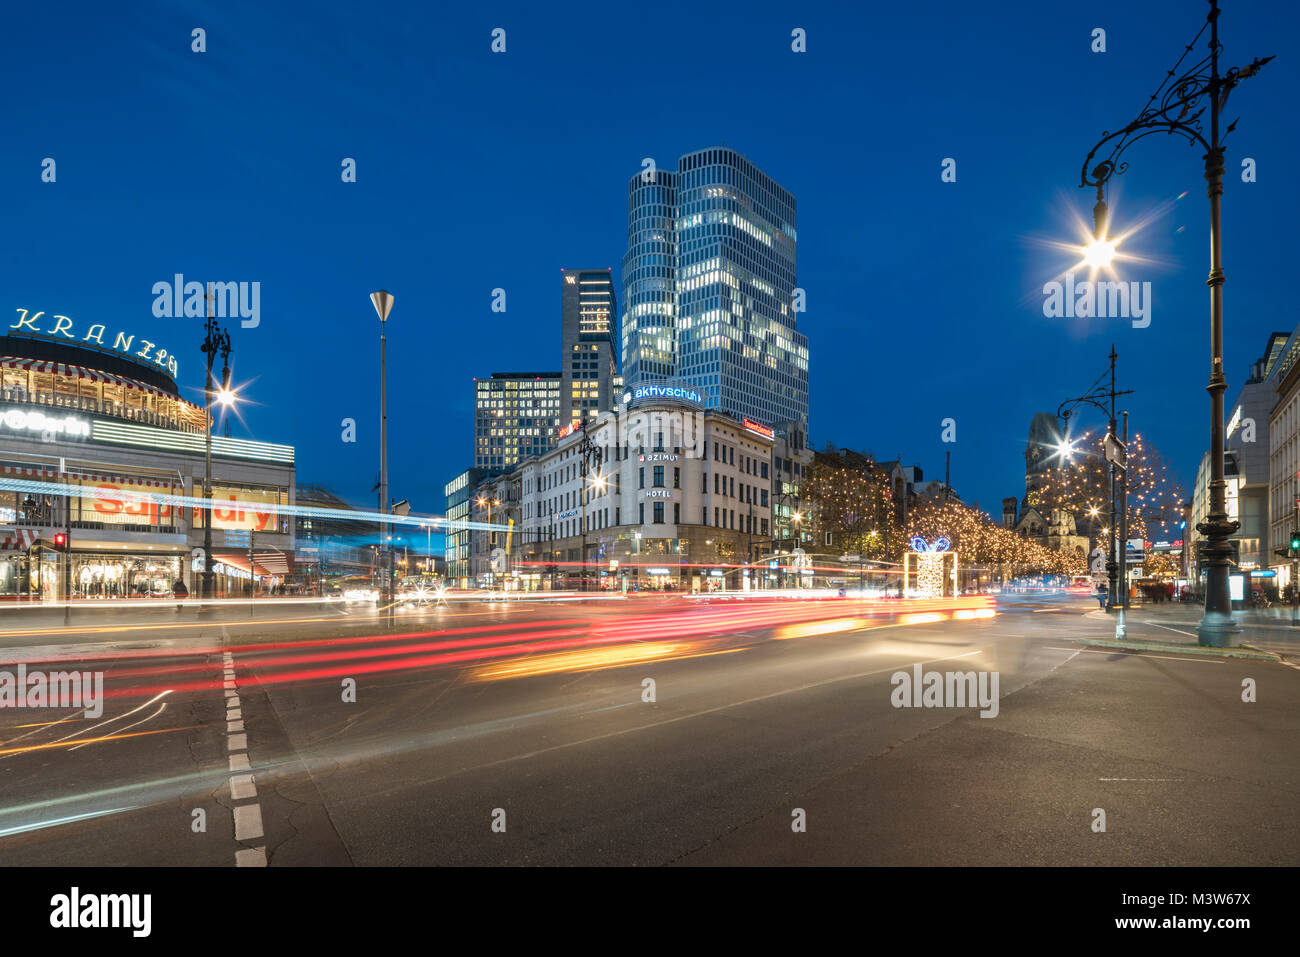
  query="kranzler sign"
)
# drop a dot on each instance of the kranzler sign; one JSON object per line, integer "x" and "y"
{"x": 58, "y": 328}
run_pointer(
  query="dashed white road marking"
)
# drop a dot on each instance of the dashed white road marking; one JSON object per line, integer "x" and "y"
{"x": 251, "y": 857}
{"x": 243, "y": 787}
{"x": 248, "y": 822}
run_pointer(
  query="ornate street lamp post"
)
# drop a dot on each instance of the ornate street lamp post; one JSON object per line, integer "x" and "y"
{"x": 216, "y": 340}
{"x": 1178, "y": 106}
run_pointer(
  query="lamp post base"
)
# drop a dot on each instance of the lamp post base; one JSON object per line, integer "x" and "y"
{"x": 1217, "y": 630}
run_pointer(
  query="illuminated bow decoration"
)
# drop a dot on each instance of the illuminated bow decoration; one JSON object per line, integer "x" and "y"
{"x": 919, "y": 544}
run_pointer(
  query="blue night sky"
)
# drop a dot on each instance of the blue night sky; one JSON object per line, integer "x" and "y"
{"x": 478, "y": 170}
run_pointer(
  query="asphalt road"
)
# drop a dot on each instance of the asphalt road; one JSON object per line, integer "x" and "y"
{"x": 522, "y": 734}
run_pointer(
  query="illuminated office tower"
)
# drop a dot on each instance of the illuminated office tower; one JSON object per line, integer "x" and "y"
{"x": 587, "y": 365}
{"x": 708, "y": 287}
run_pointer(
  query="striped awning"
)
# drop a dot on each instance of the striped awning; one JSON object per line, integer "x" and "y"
{"x": 18, "y": 539}
{"x": 268, "y": 561}
{"x": 76, "y": 372}
{"x": 10, "y": 471}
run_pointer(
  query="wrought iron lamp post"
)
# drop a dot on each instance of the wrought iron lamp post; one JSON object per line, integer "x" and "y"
{"x": 1179, "y": 105}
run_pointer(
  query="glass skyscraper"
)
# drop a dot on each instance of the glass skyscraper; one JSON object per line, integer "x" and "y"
{"x": 708, "y": 287}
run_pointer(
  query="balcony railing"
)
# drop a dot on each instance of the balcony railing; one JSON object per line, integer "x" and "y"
{"x": 98, "y": 407}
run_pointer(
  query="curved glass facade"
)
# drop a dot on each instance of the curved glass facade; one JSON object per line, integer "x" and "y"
{"x": 708, "y": 287}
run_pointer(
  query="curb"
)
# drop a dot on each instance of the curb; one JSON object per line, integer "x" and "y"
{"x": 1239, "y": 652}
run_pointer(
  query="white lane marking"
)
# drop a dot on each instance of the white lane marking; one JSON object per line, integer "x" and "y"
{"x": 1139, "y": 779}
{"x": 243, "y": 787}
{"x": 251, "y": 857}
{"x": 248, "y": 822}
{"x": 239, "y": 762}
{"x": 161, "y": 708}
{"x": 1190, "y": 634}
{"x": 233, "y": 726}
{"x": 237, "y": 742}
{"x": 1140, "y": 653}
{"x": 232, "y": 701}
{"x": 234, "y": 714}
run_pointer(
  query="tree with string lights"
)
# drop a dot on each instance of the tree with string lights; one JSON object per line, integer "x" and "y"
{"x": 1080, "y": 484}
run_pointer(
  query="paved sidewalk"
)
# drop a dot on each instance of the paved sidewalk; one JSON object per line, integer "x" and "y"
{"x": 1174, "y": 624}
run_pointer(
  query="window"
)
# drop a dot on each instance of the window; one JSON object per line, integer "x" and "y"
{"x": 641, "y": 514}
{"x": 762, "y": 467}
{"x": 618, "y": 516}
{"x": 704, "y": 515}
{"x": 642, "y": 471}
{"x": 659, "y": 513}
{"x": 659, "y": 476}
{"x": 677, "y": 477}
{"x": 762, "y": 495}
{"x": 704, "y": 484}
{"x": 828, "y": 538}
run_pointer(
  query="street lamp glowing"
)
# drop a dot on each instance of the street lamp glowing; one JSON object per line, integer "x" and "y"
{"x": 1099, "y": 253}
{"x": 225, "y": 396}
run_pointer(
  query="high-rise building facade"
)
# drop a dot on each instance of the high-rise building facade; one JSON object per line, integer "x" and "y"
{"x": 516, "y": 416}
{"x": 587, "y": 363}
{"x": 709, "y": 287}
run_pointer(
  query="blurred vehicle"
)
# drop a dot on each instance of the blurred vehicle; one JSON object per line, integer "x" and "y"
{"x": 355, "y": 588}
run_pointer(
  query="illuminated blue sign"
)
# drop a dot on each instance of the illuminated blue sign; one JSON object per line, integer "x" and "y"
{"x": 662, "y": 392}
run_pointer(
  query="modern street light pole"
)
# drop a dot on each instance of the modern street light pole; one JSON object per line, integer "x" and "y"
{"x": 383, "y": 302}
{"x": 1178, "y": 106}
{"x": 215, "y": 340}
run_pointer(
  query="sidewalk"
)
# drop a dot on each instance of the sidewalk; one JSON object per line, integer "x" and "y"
{"x": 1172, "y": 626}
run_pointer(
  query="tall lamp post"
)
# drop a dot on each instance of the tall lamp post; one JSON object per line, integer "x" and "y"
{"x": 383, "y": 302}
{"x": 591, "y": 460}
{"x": 1064, "y": 410}
{"x": 1178, "y": 106}
{"x": 216, "y": 340}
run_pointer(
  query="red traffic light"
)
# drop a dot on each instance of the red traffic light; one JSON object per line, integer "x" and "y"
{"x": 60, "y": 541}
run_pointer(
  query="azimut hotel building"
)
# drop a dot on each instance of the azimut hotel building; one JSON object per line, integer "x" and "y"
{"x": 89, "y": 415}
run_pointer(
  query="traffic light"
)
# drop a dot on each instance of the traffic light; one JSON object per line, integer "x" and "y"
{"x": 1295, "y": 541}
{"x": 60, "y": 542}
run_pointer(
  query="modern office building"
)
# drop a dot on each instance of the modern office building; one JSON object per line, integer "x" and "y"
{"x": 709, "y": 287}
{"x": 516, "y": 416}
{"x": 588, "y": 366}
{"x": 457, "y": 540}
